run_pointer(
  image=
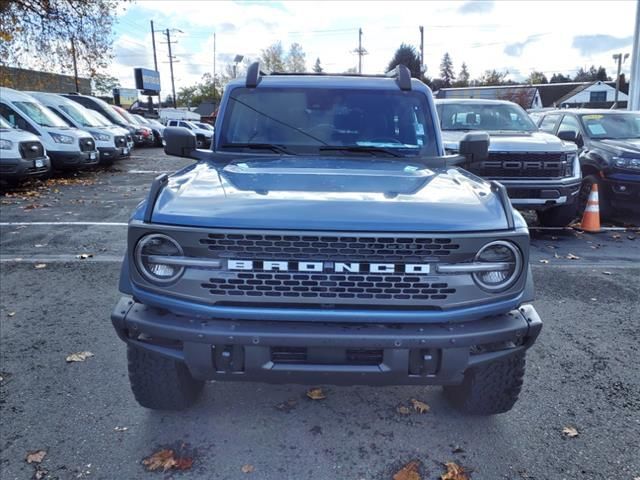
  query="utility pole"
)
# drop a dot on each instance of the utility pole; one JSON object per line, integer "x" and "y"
{"x": 75, "y": 64}
{"x": 422, "y": 69}
{"x": 153, "y": 42}
{"x": 634, "y": 80}
{"x": 360, "y": 51}
{"x": 214, "y": 66}
{"x": 167, "y": 32}
{"x": 620, "y": 59}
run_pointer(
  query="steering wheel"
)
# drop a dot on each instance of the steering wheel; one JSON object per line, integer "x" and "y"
{"x": 385, "y": 140}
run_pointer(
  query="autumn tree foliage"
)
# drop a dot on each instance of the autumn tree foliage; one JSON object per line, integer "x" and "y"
{"x": 48, "y": 33}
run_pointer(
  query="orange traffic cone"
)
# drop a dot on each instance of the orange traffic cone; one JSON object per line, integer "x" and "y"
{"x": 591, "y": 217}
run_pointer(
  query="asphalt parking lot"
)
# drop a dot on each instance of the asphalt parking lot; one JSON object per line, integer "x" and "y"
{"x": 61, "y": 243}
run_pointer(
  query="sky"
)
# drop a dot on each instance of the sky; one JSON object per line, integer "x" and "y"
{"x": 516, "y": 36}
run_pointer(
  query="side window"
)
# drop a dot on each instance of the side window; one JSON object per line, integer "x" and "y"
{"x": 185, "y": 125}
{"x": 569, "y": 124}
{"x": 16, "y": 119}
{"x": 172, "y": 123}
{"x": 548, "y": 123}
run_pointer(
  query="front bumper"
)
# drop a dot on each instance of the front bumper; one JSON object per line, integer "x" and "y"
{"x": 16, "y": 168}
{"x": 542, "y": 194}
{"x": 64, "y": 160}
{"x": 312, "y": 352}
{"x": 623, "y": 190}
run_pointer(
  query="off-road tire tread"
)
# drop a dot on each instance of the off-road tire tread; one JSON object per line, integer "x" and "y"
{"x": 160, "y": 383}
{"x": 489, "y": 389}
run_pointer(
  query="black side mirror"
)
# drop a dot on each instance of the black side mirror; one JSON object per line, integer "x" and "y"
{"x": 568, "y": 136}
{"x": 179, "y": 142}
{"x": 474, "y": 146}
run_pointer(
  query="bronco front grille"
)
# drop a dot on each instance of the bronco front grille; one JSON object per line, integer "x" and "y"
{"x": 302, "y": 247}
{"x": 321, "y": 287}
{"x": 31, "y": 150}
{"x": 522, "y": 165}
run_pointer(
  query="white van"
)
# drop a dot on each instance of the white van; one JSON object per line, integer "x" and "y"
{"x": 117, "y": 129}
{"x": 203, "y": 136}
{"x": 21, "y": 154}
{"x": 110, "y": 145}
{"x": 66, "y": 146}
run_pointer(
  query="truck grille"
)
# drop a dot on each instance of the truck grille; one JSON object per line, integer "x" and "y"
{"x": 353, "y": 248}
{"x": 120, "y": 142}
{"x": 31, "y": 150}
{"x": 309, "y": 286}
{"x": 87, "y": 145}
{"x": 522, "y": 165}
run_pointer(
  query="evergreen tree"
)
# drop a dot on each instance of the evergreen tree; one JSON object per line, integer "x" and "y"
{"x": 295, "y": 61}
{"x": 559, "y": 78}
{"x": 463, "y": 77}
{"x": 408, "y": 56}
{"x": 446, "y": 70}
{"x": 317, "y": 68}
{"x": 536, "y": 78}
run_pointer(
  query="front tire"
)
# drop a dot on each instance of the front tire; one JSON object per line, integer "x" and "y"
{"x": 160, "y": 383}
{"x": 560, "y": 216}
{"x": 489, "y": 389}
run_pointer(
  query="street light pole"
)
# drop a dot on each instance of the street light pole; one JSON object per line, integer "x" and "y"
{"x": 620, "y": 59}
{"x": 173, "y": 84}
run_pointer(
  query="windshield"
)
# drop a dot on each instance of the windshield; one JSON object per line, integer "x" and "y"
{"x": 141, "y": 120}
{"x": 99, "y": 118}
{"x": 612, "y": 125}
{"x": 126, "y": 115}
{"x": 204, "y": 126}
{"x": 42, "y": 116}
{"x": 79, "y": 114}
{"x": 484, "y": 116}
{"x": 306, "y": 119}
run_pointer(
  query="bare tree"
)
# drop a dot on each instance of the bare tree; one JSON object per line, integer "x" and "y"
{"x": 272, "y": 58}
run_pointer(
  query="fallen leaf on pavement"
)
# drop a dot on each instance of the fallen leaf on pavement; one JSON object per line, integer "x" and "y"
{"x": 403, "y": 410}
{"x": 166, "y": 459}
{"x": 40, "y": 473}
{"x": 571, "y": 256}
{"x": 84, "y": 256}
{"x": 316, "y": 394}
{"x": 419, "y": 406}
{"x": 544, "y": 261}
{"x": 36, "y": 456}
{"x": 411, "y": 471}
{"x": 79, "y": 356}
{"x": 288, "y": 405}
{"x": 615, "y": 236}
{"x": 247, "y": 468}
{"x": 454, "y": 472}
{"x": 40, "y": 266}
{"x": 632, "y": 237}
{"x": 570, "y": 432}
{"x": 555, "y": 255}
{"x": 10, "y": 314}
{"x": 607, "y": 273}
{"x": 121, "y": 429}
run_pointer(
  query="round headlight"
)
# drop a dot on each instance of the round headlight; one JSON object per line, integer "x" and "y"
{"x": 149, "y": 254}
{"x": 506, "y": 262}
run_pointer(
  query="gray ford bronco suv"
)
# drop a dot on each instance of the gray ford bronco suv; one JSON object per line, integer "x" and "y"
{"x": 325, "y": 238}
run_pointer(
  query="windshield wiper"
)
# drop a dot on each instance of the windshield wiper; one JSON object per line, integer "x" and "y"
{"x": 359, "y": 148}
{"x": 259, "y": 146}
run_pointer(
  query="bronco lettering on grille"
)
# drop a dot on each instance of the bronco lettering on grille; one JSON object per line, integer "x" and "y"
{"x": 337, "y": 267}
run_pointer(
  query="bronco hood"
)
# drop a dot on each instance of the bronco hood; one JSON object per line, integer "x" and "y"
{"x": 322, "y": 193}
{"x": 504, "y": 141}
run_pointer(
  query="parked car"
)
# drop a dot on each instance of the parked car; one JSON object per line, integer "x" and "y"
{"x": 110, "y": 114}
{"x": 110, "y": 145}
{"x": 540, "y": 171}
{"x": 326, "y": 238}
{"x": 67, "y": 147}
{"x": 145, "y": 137}
{"x": 22, "y": 155}
{"x": 204, "y": 126}
{"x": 156, "y": 127}
{"x": 116, "y": 129}
{"x": 609, "y": 152}
{"x": 203, "y": 135}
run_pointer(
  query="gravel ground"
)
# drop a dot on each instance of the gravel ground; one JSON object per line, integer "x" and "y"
{"x": 581, "y": 373}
